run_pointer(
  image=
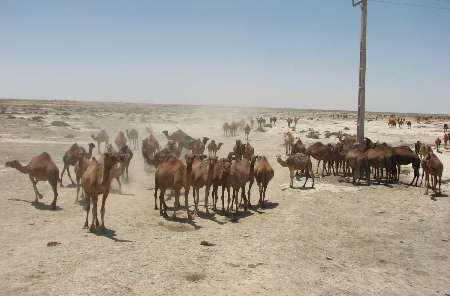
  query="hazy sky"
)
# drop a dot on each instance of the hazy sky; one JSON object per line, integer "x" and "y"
{"x": 302, "y": 54}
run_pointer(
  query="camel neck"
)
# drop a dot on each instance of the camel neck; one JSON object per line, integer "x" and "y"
{"x": 282, "y": 162}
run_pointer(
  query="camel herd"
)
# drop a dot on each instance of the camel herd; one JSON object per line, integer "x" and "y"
{"x": 234, "y": 174}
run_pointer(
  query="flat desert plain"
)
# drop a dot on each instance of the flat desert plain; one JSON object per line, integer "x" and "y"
{"x": 335, "y": 239}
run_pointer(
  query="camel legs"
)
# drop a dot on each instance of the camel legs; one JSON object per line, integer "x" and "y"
{"x": 317, "y": 170}
{"x": 162, "y": 203}
{"x": 207, "y": 188}
{"x": 88, "y": 207}
{"x": 177, "y": 197}
{"x": 120, "y": 185}
{"x": 54, "y": 184}
{"x": 249, "y": 191}
{"x": 102, "y": 210}
{"x": 186, "y": 202}
{"x": 246, "y": 201}
{"x": 94, "y": 198}
{"x": 66, "y": 168}
{"x": 291, "y": 173}
{"x": 36, "y": 192}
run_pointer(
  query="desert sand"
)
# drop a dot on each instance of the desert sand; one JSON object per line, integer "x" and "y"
{"x": 335, "y": 239}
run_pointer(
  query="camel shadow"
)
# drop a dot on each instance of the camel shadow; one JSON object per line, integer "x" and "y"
{"x": 38, "y": 205}
{"x": 183, "y": 220}
{"x": 268, "y": 205}
{"x": 111, "y": 234}
{"x": 301, "y": 188}
{"x": 210, "y": 216}
{"x": 235, "y": 217}
{"x": 435, "y": 195}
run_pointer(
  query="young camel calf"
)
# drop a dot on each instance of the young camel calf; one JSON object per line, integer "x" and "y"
{"x": 297, "y": 162}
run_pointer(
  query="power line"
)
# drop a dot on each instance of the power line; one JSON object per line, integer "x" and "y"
{"x": 389, "y": 2}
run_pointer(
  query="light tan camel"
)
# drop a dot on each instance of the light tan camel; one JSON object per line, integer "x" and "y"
{"x": 126, "y": 153}
{"x": 73, "y": 156}
{"x": 40, "y": 168}
{"x": 226, "y": 129}
{"x": 247, "y": 130}
{"x": 120, "y": 140}
{"x": 97, "y": 180}
{"x": 263, "y": 174}
{"x": 213, "y": 148}
{"x": 133, "y": 136}
{"x": 288, "y": 142}
{"x": 101, "y": 137}
{"x": 172, "y": 174}
{"x": 200, "y": 176}
{"x": 297, "y": 162}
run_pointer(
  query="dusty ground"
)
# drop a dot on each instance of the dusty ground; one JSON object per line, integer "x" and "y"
{"x": 336, "y": 239}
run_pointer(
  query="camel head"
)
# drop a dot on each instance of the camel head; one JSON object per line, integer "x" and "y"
{"x": 112, "y": 158}
{"x": 12, "y": 164}
{"x": 205, "y": 140}
{"x": 91, "y": 146}
{"x": 219, "y": 145}
{"x": 166, "y": 133}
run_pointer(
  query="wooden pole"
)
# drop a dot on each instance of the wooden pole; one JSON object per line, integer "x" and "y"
{"x": 362, "y": 73}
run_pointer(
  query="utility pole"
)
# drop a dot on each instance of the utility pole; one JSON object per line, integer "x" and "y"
{"x": 362, "y": 72}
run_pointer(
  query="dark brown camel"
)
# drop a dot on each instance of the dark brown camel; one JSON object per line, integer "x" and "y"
{"x": 73, "y": 156}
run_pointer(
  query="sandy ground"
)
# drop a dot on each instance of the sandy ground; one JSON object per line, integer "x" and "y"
{"x": 336, "y": 239}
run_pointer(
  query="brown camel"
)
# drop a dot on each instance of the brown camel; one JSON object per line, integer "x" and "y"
{"x": 101, "y": 137}
{"x": 73, "y": 156}
{"x": 322, "y": 153}
{"x": 380, "y": 158}
{"x": 432, "y": 166}
{"x": 200, "y": 176}
{"x": 263, "y": 174}
{"x": 249, "y": 151}
{"x": 357, "y": 161}
{"x": 213, "y": 148}
{"x": 403, "y": 155}
{"x": 40, "y": 168}
{"x": 198, "y": 146}
{"x": 240, "y": 171}
{"x": 226, "y": 129}
{"x": 424, "y": 150}
{"x": 126, "y": 155}
{"x": 297, "y": 162}
{"x": 298, "y": 147}
{"x": 120, "y": 140}
{"x": 97, "y": 180}
{"x": 392, "y": 122}
{"x": 80, "y": 168}
{"x": 247, "y": 131}
{"x": 220, "y": 173}
{"x": 133, "y": 136}
{"x": 150, "y": 147}
{"x": 437, "y": 142}
{"x": 181, "y": 138}
{"x": 239, "y": 149}
{"x": 172, "y": 174}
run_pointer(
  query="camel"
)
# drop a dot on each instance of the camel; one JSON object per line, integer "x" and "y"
{"x": 226, "y": 129}
{"x": 432, "y": 165}
{"x": 288, "y": 142}
{"x": 247, "y": 131}
{"x": 380, "y": 157}
{"x": 200, "y": 176}
{"x": 213, "y": 148}
{"x": 80, "y": 168}
{"x": 116, "y": 172}
{"x": 97, "y": 180}
{"x": 73, "y": 156}
{"x": 120, "y": 140}
{"x": 40, "y": 168}
{"x": 273, "y": 120}
{"x": 403, "y": 155}
{"x": 172, "y": 174}
{"x": 424, "y": 150}
{"x": 322, "y": 153}
{"x": 249, "y": 151}
{"x": 198, "y": 146}
{"x": 240, "y": 171}
{"x": 289, "y": 121}
{"x": 437, "y": 142}
{"x": 446, "y": 139}
{"x": 296, "y": 121}
{"x": 220, "y": 172}
{"x": 357, "y": 160}
{"x": 392, "y": 122}
{"x": 126, "y": 155}
{"x": 408, "y": 124}
{"x": 263, "y": 174}
{"x": 181, "y": 138}
{"x": 297, "y": 162}
{"x": 150, "y": 147}
{"x": 133, "y": 136}
{"x": 298, "y": 147}
{"x": 239, "y": 149}
{"x": 445, "y": 127}
{"x": 101, "y": 137}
